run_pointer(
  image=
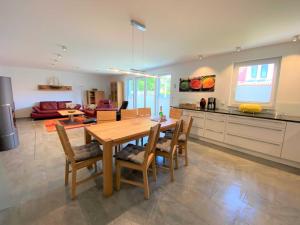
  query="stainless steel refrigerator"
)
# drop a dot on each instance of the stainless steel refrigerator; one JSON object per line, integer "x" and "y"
{"x": 8, "y": 129}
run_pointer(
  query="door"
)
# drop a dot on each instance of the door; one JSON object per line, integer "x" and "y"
{"x": 140, "y": 93}
{"x": 164, "y": 93}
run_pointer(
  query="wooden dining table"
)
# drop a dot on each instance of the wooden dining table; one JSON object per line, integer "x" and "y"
{"x": 115, "y": 133}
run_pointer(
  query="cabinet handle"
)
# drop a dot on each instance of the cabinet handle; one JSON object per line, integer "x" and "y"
{"x": 215, "y": 120}
{"x": 219, "y": 132}
{"x": 250, "y": 125}
{"x": 253, "y": 139}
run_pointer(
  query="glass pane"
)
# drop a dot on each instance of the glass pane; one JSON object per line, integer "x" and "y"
{"x": 130, "y": 93}
{"x": 256, "y": 89}
{"x": 150, "y": 94}
{"x": 140, "y": 97}
{"x": 164, "y": 94}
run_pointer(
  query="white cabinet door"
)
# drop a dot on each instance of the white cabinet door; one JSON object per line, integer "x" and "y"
{"x": 197, "y": 132}
{"x": 291, "y": 144}
{"x": 215, "y": 126}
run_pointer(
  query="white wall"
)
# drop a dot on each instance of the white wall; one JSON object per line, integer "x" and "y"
{"x": 288, "y": 92}
{"x": 26, "y": 94}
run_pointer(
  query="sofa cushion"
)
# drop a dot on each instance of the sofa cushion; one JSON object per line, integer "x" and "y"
{"x": 48, "y": 105}
{"x": 87, "y": 151}
{"x": 70, "y": 105}
{"x": 62, "y": 104}
{"x": 133, "y": 153}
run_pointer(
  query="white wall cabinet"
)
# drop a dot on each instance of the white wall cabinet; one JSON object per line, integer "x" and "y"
{"x": 291, "y": 144}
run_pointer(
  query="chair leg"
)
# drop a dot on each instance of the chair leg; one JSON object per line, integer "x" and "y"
{"x": 154, "y": 170}
{"x": 176, "y": 159}
{"x": 146, "y": 184}
{"x": 186, "y": 154}
{"x": 74, "y": 174}
{"x": 172, "y": 168}
{"x": 118, "y": 176}
{"x": 67, "y": 173}
{"x": 95, "y": 167}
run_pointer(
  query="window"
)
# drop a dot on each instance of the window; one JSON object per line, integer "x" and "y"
{"x": 149, "y": 92}
{"x": 130, "y": 93}
{"x": 255, "y": 82}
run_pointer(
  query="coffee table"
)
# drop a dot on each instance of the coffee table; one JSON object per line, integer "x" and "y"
{"x": 70, "y": 113}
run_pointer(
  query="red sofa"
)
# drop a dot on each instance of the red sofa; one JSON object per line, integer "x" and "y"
{"x": 103, "y": 105}
{"x": 49, "y": 109}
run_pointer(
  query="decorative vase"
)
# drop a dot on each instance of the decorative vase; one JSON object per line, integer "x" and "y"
{"x": 202, "y": 103}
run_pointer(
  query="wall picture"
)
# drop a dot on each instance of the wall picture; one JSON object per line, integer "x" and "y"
{"x": 198, "y": 84}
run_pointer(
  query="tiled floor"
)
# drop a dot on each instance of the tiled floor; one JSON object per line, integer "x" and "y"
{"x": 216, "y": 188}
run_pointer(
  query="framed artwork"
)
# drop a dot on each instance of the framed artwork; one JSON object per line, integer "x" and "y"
{"x": 198, "y": 84}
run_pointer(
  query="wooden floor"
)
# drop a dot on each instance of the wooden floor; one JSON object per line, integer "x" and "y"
{"x": 216, "y": 188}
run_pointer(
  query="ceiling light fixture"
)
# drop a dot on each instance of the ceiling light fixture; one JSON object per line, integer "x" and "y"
{"x": 59, "y": 56}
{"x": 132, "y": 72}
{"x": 64, "y": 48}
{"x": 238, "y": 49}
{"x": 295, "y": 38}
{"x": 200, "y": 57}
{"x": 141, "y": 27}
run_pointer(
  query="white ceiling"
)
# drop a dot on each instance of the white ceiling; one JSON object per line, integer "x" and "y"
{"x": 98, "y": 32}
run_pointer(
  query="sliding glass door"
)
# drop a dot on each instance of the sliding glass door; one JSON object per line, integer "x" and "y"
{"x": 140, "y": 93}
{"x": 164, "y": 93}
{"x": 149, "y": 92}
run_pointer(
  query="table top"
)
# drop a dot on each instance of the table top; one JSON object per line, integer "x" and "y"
{"x": 124, "y": 130}
{"x": 70, "y": 112}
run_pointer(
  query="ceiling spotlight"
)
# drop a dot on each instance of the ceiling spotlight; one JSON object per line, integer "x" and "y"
{"x": 138, "y": 25}
{"x": 64, "y": 48}
{"x": 55, "y": 60}
{"x": 59, "y": 56}
{"x": 295, "y": 38}
{"x": 238, "y": 49}
{"x": 200, "y": 57}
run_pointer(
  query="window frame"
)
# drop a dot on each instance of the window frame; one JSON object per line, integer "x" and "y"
{"x": 277, "y": 63}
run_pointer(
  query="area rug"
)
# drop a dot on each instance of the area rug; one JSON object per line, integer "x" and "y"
{"x": 50, "y": 124}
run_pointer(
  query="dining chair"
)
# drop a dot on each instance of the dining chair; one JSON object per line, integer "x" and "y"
{"x": 167, "y": 148}
{"x": 183, "y": 137}
{"x": 106, "y": 116}
{"x": 175, "y": 113}
{"x": 78, "y": 157}
{"x": 138, "y": 158}
{"x": 144, "y": 112}
{"x": 128, "y": 114}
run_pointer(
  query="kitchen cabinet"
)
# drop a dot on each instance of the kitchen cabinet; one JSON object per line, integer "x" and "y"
{"x": 197, "y": 129}
{"x": 291, "y": 144}
{"x": 215, "y": 126}
{"x": 272, "y": 139}
{"x": 260, "y": 135}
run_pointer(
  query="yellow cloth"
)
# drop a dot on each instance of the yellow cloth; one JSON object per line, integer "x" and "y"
{"x": 251, "y": 108}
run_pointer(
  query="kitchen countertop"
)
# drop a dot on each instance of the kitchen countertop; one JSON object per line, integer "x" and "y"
{"x": 261, "y": 115}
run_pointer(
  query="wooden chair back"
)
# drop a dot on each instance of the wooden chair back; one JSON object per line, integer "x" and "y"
{"x": 175, "y": 113}
{"x": 175, "y": 136}
{"x": 128, "y": 114}
{"x": 153, "y": 137}
{"x": 65, "y": 142}
{"x": 144, "y": 112}
{"x": 187, "y": 125}
{"x": 106, "y": 116}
